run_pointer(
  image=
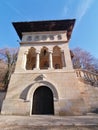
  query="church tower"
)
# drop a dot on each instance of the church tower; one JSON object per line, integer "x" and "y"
{"x": 44, "y": 81}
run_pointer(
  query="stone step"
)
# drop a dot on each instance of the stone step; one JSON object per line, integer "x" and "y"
{"x": 16, "y": 127}
{"x": 46, "y": 122}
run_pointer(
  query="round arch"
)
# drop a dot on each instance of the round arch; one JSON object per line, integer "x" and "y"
{"x": 44, "y": 58}
{"x": 57, "y": 57}
{"x": 31, "y": 59}
{"x": 42, "y": 83}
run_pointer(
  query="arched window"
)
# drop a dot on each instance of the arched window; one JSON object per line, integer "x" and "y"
{"x": 57, "y": 58}
{"x": 31, "y": 59}
{"x": 44, "y": 58}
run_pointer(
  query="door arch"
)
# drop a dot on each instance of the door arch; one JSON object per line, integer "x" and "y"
{"x": 43, "y": 101}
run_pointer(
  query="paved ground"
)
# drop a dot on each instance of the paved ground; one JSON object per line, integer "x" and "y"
{"x": 39, "y": 122}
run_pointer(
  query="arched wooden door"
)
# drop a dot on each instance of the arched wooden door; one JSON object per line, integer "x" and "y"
{"x": 43, "y": 101}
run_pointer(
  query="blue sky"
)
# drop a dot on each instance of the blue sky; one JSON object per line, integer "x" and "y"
{"x": 85, "y": 33}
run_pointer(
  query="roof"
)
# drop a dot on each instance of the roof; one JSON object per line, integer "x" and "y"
{"x": 41, "y": 26}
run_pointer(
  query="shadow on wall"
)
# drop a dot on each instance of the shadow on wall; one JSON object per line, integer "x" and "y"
{"x": 23, "y": 95}
{"x": 2, "y": 97}
{"x": 95, "y": 110}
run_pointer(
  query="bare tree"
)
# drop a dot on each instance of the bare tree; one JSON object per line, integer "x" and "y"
{"x": 83, "y": 59}
{"x": 3, "y": 70}
{"x": 9, "y": 57}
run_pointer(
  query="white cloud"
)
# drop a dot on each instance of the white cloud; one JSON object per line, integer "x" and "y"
{"x": 65, "y": 10}
{"x": 76, "y": 8}
{"x": 13, "y": 8}
{"x": 19, "y": 12}
{"x": 82, "y": 8}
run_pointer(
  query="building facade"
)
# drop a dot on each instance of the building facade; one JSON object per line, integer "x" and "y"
{"x": 44, "y": 81}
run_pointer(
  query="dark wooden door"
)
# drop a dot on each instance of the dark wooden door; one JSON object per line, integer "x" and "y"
{"x": 43, "y": 101}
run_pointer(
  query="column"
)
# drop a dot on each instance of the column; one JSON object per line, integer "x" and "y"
{"x": 37, "y": 59}
{"x": 25, "y": 59}
{"x": 68, "y": 60}
{"x": 50, "y": 60}
{"x": 63, "y": 59}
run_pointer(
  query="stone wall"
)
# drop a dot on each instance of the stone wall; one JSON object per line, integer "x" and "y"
{"x": 90, "y": 96}
{"x": 63, "y": 84}
{"x": 71, "y": 96}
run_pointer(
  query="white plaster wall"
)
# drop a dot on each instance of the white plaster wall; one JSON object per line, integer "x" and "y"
{"x": 47, "y": 36}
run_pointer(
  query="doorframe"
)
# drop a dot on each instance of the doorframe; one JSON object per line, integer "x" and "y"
{"x": 43, "y": 104}
{"x": 38, "y": 84}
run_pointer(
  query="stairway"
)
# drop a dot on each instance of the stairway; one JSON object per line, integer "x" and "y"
{"x": 88, "y": 88}
{"x": 87, "y": 77}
